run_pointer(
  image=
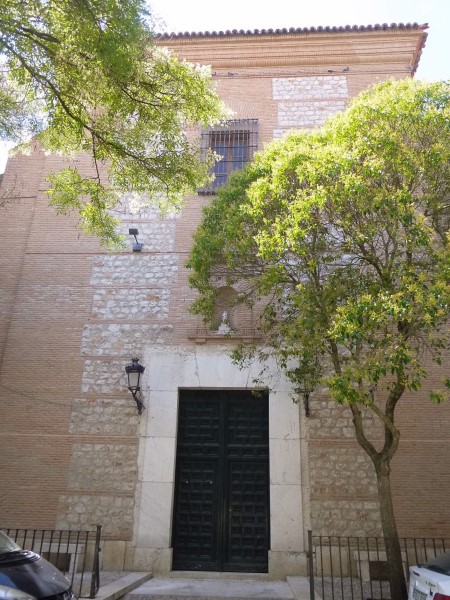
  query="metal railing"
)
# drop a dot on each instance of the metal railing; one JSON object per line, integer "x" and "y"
{"x": 355, "y": 568}
{"x": 74, "y": 553}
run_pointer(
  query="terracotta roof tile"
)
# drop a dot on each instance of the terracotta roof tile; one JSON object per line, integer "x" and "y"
{"x": 284, "y": 31}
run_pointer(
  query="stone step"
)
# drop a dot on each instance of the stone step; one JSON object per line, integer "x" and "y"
{"x": 121, "y": 586}
{"x": 220, "y": 588}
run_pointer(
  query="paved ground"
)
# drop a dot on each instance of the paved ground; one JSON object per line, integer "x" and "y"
{"x": 176, "y": 588}
{"x": 198, "y": 586}
{"x": 225, "y": 586}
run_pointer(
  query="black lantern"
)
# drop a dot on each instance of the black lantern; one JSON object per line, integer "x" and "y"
{"x": 134, "y": 371}
{"x": 306, "y": 390}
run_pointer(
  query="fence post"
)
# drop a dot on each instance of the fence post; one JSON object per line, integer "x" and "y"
{"x": 95, "y": 577}
{"x": 311, "y": 566}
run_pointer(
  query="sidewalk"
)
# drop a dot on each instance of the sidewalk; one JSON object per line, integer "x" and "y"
{"x": 141, "y": 586}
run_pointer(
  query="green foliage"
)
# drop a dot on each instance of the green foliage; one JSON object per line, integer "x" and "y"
{"x": 341, "y": 239}
{"x": 86, "y": 76}
{"x": 92, "y": 200}
{"x": 342, "y": 234}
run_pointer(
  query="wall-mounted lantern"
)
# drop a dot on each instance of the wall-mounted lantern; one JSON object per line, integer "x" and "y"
{"x": 134, "y": 371}
{"x": 137, "y": 246}
{"x": 306, "y": 390}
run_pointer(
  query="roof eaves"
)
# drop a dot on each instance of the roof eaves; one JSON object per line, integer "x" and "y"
{"x": 293, "y": 30}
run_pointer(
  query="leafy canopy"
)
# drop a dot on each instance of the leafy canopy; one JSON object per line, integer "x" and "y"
{"x": 341, "y": 236}
{"x": 341, "y": 239}
{"x": 86, "y": 76}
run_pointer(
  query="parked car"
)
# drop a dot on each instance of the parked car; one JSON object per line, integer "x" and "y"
{"x": 9, "y": 593}
{"x": 430, "y": 581}
{"x": 30, "y": 573}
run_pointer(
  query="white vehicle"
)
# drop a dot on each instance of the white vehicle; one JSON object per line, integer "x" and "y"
{"x": 430, "y": 581}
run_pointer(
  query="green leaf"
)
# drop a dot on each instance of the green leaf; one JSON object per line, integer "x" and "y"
{"x": 88, "y": 77}
{"x": 339, "y": 240}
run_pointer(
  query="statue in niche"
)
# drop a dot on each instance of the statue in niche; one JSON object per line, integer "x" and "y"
{"x": 224, "y": 326}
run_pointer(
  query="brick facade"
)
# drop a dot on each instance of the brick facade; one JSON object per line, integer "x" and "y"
{"x": 72, "y": 315}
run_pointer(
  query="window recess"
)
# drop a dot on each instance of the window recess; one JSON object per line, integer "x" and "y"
{"x": 235, "y": 142}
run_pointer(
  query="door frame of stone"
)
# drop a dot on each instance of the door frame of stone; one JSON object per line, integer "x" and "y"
{"x": 209, "y": 366}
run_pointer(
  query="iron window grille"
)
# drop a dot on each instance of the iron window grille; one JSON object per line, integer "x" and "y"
{"x": 235, "y": 141}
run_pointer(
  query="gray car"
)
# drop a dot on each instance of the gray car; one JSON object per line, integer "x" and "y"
{"x": 9, "y": 593}
{"x": 29, "y": 573}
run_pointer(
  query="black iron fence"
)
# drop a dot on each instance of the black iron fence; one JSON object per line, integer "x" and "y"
{"x": 355, "y": 568}
{"x": 75, "y": 553}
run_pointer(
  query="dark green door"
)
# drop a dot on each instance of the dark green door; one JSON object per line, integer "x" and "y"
{"x": 221, "y": 509}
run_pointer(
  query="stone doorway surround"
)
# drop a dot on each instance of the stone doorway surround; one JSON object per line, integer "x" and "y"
{"x": 171, "y": 368}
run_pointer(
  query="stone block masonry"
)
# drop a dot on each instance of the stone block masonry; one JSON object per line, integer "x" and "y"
{"x": 332, "y": 420}
{"x": 84, "y": 511}
{"x": 70, "y": 309}
{"x": 346, "y": 517}
{"x": 104, "y": 416}
{"x": 134, "y": 270}
{"x": 122, "y": 339}
{"x": 310, "y": 88}
{"x": 157, "y": 236}
{"x": 342, "y": 472}
{"x": 137, "y": 207}
{"x": 112, "y": 304}
{"x": 306, "y": 102}
{"x": 342, "y": 477}
{"x": 129, "y": 311}
{"x": 307, "y": 114}
{"x": 103, "y": 468}
{"x": 102, "y": 377}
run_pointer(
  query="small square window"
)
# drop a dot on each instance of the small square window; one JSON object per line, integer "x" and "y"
{"x": 236, "y": 142}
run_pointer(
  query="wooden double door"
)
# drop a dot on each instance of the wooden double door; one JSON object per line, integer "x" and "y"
{"x": 221, "y": 508}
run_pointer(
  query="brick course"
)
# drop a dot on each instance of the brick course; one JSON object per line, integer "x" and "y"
{"x": 72, "y": 315}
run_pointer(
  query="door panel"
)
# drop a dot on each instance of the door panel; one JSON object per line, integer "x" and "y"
{"x": 247, "y": 538}
{"x": 221, "y": 509}
{"x": 196, "y": 514}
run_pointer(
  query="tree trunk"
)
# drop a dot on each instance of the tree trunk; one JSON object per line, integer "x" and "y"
{"x": 389, "y": 526}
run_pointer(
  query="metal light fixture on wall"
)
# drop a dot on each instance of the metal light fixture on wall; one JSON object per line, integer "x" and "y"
{"x": 134, "y": 371}
{"x": 306, "y": 390}
{"x": 137, "y": 246}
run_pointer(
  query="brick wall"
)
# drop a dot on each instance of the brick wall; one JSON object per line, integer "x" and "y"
{"x": 72, "y": 315}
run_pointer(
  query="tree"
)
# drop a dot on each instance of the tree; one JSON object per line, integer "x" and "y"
{"x": 87, "y": 76}
{"x": 342, "y": 237}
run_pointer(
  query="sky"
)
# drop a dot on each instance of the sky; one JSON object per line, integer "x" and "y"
{"x": 207, "y": 15}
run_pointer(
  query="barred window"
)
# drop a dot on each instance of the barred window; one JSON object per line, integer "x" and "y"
{"x": 235, "y": 141}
